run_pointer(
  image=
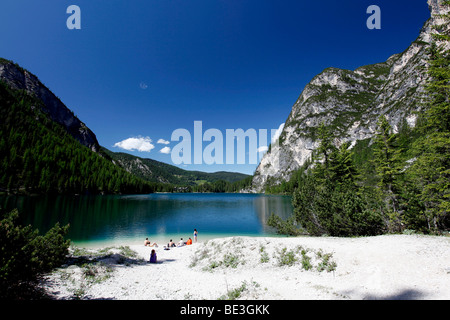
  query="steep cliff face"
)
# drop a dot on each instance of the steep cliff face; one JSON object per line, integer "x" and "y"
{"x": 20, "y": 79}
{"x": 350, "y": 103}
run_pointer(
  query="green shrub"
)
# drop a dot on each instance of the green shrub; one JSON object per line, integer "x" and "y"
{"x": 230, "y": 261}
{"x": 306, "y": 261}
{"x": 25, "y": 255}
{"x": 285, "y": 257}
{"x": 264, "y": 255}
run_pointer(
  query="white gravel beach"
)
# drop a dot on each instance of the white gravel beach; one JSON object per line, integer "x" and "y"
{"x": 303, "y": 268}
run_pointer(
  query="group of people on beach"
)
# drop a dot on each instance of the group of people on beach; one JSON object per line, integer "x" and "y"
{"x": 171, "y": 244}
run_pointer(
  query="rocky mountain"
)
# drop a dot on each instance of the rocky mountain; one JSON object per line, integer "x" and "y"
{"x": 18, "y": 78}
{"x": 42, "y": 149}
{"x": 350, "y": 103}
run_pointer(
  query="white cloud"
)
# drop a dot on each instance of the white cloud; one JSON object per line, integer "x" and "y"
{"x": 142, "y": 144}
{"x": 165, "y": 150}
{"x": 263, "y": 149}
{"x": 278, "y": 133}
{"x": 162, "y": 141}
{"x": 143, "y": 85}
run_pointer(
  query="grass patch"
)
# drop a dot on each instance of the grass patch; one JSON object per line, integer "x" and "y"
{"x": 238, "y": 292}
{"x": 285, "y": 257}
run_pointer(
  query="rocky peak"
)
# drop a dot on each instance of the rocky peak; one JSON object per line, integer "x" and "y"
{"x": 350, "y": 103}
{"x": 19, "y": 79}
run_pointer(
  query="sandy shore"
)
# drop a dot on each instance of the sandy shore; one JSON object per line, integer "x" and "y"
{"x": 383, "y": 267}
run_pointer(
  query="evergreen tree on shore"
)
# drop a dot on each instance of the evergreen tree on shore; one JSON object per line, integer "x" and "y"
{"x": 431, "y": 168}
{"x": 388, "y": 168}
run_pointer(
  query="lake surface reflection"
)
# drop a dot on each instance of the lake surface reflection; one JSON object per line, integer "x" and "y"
{"x": 129, "y": 219}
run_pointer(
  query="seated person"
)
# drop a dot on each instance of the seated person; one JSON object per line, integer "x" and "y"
{"x": 153, "y": 256}
{"x": 148, "y": 243}
{"x": 171, "y": 244}
{"x": 181, "y": 243}
{"x": 189, "y": 242}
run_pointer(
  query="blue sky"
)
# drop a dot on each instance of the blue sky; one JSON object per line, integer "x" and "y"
{"x": 144, "y": 68}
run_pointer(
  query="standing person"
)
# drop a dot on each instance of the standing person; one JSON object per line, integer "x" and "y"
{"x": 195, "y": 235}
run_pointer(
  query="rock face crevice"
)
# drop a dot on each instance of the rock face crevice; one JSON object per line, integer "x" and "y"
{"x": 350, "y": 103}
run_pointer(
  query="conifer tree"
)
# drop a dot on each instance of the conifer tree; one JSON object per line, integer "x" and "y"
{"x": 323, "y": 153}
{"x": 431, "y": 169}
{"x": 342, "y": 168}
{"x": 386, "y": 157}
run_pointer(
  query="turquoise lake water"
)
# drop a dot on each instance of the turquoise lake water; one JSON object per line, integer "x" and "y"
{"x": 129, "y": 219}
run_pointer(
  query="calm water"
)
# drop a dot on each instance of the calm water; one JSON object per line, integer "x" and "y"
{"x": 129, "y": 219}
